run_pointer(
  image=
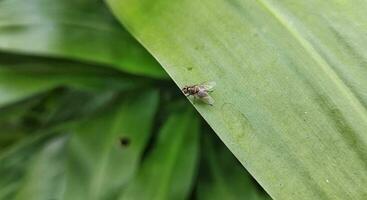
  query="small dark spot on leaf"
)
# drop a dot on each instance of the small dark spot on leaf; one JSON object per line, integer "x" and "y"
{"x": 189, "y": 68}
{"x": 255, "y": 34}
{"x": 124, "y": 141}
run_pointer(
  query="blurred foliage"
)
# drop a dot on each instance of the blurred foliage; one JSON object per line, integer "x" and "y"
{"x": 87, "y": 113}
{"x": 82, "y": 30}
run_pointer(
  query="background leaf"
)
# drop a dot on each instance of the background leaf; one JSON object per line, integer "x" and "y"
{"x": 21, "y": 165}
{"x": 93, "y": 162}
{"x": 25, "y": 76}
{"x": 169, "y": 169}
{"x": 49, "y": 164}
{"x": 290, "y": 95}
{"x": 222, "y": 176}
{"x": 83, "y": 30}
{"x": 104, "y": 152}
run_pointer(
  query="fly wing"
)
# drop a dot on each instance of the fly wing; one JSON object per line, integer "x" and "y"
{"x": 208, "y": 100}
{"x": 208, "y": 86}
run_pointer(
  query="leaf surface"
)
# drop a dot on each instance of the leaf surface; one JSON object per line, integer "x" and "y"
{"x": 45, "y": 175}
{"x": 82, "y": 30}
{"x": 104, "y": 152}
{"x": 21, "y": 164}
{"x": 23, "y": 76}
{"x": 168, "y": 171}
{"x": 222, "y": 176}
{"x": 291, "y": 94}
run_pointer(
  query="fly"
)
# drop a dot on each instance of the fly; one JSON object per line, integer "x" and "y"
{"x": 200, "y": 91}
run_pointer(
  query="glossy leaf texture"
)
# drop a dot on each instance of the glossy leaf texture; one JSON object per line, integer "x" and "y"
{"x": 290, "y": 100}
{"x": 81, "y": 30}
{"x": 169, "y": 169}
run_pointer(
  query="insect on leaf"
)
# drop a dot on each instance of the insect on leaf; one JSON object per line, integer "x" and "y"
{"x": 209, "y": 86}
{"x": 292, "y": 101}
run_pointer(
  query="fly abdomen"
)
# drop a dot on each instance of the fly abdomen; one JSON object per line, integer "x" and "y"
{"x": 202, "y": 93}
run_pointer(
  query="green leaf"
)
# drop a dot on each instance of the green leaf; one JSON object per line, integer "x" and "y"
{"x": 291, "y": 91}
{"x": 23, "y": 76}
{"x": 11, "y": 122}
{"x": 45, "y": 176}
{"x": 54, "y": 108}
{"x": 104, "y": 152}
{"x": 16, "y": 163}
{"x": 222, "y": 176}
{"x": 82, "y": 30}
{"x": 168, "y": 170}
{"x": 99, "y": 162}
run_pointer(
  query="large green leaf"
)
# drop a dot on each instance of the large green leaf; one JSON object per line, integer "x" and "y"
{"x": 104, "y": 152}
{"x": 291, "y": 91}
{"x": 82, "y": 29}
{"x": 168, "y": 171}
